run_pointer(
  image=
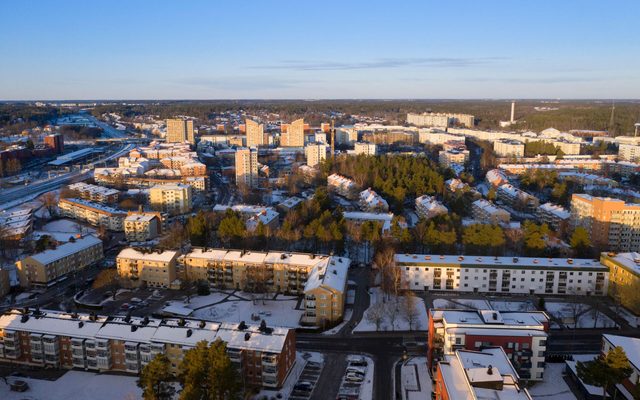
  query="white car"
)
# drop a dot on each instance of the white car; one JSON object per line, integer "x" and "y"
{"x": 354, "y": 377}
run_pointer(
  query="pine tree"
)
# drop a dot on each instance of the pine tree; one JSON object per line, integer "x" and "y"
{"x": 155, "y": 379}
{"x": 605, "y": 371}
{"x": 206, "y": 373}
{"x": 580, "y": 241}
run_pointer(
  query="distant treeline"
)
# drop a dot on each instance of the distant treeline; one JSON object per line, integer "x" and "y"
{"x": 14, "y": 117}
{"x": 571, "y": 114}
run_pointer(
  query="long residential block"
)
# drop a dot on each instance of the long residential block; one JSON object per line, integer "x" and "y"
{"x": 486, "y": 274}
{"x": 51, "y": 266}
{"x": 50, "y": 339}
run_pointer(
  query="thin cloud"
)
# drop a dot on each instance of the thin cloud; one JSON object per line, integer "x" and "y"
{"x": 384, "y": 63}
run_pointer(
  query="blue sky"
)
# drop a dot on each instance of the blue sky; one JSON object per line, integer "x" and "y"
{"x": 162, "y": 49}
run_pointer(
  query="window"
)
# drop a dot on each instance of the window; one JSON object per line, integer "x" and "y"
{"x": 458, "y": 340}
{"x": 510, "y": 345}
{"x": 478, "y": 345}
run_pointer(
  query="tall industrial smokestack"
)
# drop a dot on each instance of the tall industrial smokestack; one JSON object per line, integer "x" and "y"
{"x": 333, "y": 138}
{"x": 513, "y": 112}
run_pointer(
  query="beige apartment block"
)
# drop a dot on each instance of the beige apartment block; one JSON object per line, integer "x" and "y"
{"x": 321, "y": 279}
{"x": 315, "y": 154}
{"x": 150, "y": 268}
{"x": 140, "y": 227}
{"x": 172, "y": 198}
{"x": 255, "y": 134}
{"x": 180, "y": 131}
{"x": 45, "y": 268}
{"x": 246, "y": 161}
{"x": 294, "y": 136}
{"x": 94, "y": 213}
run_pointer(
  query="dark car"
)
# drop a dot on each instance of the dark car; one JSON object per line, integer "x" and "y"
{"x": 19, "y": 386}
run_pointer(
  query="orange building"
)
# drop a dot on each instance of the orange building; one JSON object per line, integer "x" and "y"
{"x": 611, "y": 223}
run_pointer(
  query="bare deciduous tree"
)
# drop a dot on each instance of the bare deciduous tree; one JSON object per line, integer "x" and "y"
{"x": 375, "y": 315}
{"x": 49, "y": 201}
{"x": 409, "y": 309}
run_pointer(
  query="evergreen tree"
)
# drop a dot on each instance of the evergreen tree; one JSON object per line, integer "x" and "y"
{"x": 605, "y": 371}
{"x": 580, "y": 241}
{"x": 155, "y": 379}
{"x": 206, "y": 373}
{"x": 231, "y": 229}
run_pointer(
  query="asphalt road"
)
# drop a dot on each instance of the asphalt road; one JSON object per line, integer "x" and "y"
{"x": 10, "y": 197}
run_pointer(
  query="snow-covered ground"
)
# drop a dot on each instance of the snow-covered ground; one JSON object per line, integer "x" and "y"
{"x": 458, "y": 303}
{"x": 388, "y": 308}
{"x": 274, "y": 312}
{"x": 366, "y": 389}
{"x": 62, "y": 229}
{"x": 553, "y": 387}
{"x": 416, "y": 382}
{"x": 505, "y": 305}
{"x": 77, "y": 385}
{"x": 587, "y": 317}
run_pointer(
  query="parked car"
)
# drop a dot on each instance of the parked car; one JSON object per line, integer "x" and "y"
{"x": 19, "y": 386}
{"x": 303, "y": 386}
{"x": 358, "y": 362}
{"x": 357, "y": 370}
{"x": 353, "y": 377}
{"x": 125, "y": 306}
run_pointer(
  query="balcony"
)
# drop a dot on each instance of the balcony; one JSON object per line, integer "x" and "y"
{"x": 272, "y": 371}
{"x": 269, "y": 382}
{"x": 269, "y": 360}
{"x": 234, "y": 355}
{"x": 77, "y": 343}
{"x": 78, "y": 362}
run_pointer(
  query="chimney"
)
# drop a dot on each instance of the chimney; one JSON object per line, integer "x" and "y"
{"x": 490, "y": 370}
{"x": 513, "y": 112}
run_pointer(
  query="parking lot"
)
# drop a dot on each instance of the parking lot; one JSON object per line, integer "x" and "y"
{"x": 306, "y": 384}
{"x": 357, "y": 374}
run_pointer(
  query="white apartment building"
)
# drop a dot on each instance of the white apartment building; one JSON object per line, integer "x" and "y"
{"x": 99, "y": 194}
{"x": 629, "y": 152}
{"x": 428, "y": 207}
{"x": 246, "y": 167}
{"x": 346, "y": 136}
{"x": 447, "y": 158}
{"x": 508, "y": 148}
{"x": 172, "y": 198}
{"x": 370, "y": 201}
{"x": 440, "y": 119}
{"x": 517, "y": 199}
{"x": 436, "y": 137}
{"x": 520, "y": 275}
{"x": 369, "y": 149}
{"x": 484, "y": 211}
{"x": 315, "y": 153}
{"x": 557, "y": 217}
{"x": 342, "y": 185}
{"x": 253, "y": 215}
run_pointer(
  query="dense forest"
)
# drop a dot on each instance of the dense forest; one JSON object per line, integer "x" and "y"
{"x": 14, "y": 117}
{"x": 395, "y": 178}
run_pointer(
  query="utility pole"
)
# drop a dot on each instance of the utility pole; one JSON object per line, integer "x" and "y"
{"x": 612, "y": 120}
